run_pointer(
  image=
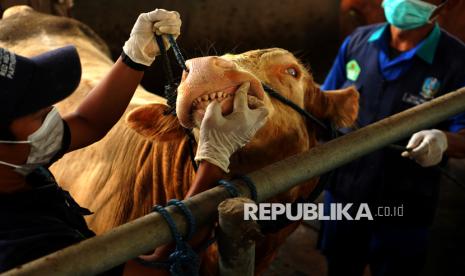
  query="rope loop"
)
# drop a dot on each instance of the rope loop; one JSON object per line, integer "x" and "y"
{"x": 250, "y": 184}
{"x": 183, "y": 261}
{"x": 170, "y": 87}
{"x": 232, "y": 190}
{"x": 188, "y": 214}
{"x": 177, "y": 53}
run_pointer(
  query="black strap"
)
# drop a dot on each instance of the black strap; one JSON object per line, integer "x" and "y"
{"x": 294, "y": 106}
{"x": 132, "y": 64}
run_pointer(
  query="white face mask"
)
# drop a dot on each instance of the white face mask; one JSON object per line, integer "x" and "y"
{"x": 45, "y": 143}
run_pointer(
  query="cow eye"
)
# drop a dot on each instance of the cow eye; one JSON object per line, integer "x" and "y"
{"x": 292, "y": 71}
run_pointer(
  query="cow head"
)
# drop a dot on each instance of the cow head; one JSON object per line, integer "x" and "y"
{"x": 285, "y": 133}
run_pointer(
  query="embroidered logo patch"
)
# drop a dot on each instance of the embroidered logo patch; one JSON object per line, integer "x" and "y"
{"x": 413, "y": 99}
{"x": 7, "y": 64}
{"x": 353, "y": 70}
{"x": 430, "y": 88}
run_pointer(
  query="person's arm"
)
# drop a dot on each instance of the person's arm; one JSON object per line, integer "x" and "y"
{"x": 456, "y": 142}
{"x": 106, "y": 103}
{"x": 429, "y": 146}
{"x": 207, "y": 176}
{"x": 219, "y": 138}
{"x": 337, "y": 75}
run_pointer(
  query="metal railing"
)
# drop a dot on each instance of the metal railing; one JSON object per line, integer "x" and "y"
{"x": 125, "y": 242}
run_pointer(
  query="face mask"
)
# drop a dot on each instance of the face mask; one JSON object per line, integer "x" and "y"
{"x": 408, "y": 14}
{"x": 45, "y": 143}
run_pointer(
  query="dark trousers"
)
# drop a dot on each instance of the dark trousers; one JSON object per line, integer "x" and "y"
{"x": 390, "y": 250}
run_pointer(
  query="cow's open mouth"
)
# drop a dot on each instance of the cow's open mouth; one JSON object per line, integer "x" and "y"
{"x": 226, "y": 98}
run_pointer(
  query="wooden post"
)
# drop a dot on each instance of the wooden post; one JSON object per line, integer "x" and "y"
{"x": 236, "y": 238}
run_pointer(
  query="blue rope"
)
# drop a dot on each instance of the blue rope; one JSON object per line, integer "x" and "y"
{"x": 232, "y": 190}
{"x": 183, "y": 261}
{"x": 177, "y": 53}
{"x": 189, "y": 216}
{"x": 170, "y": 87}
{"x": 250, "y": 185}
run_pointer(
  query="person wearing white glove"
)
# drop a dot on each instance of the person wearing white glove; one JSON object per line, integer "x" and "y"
{"x": 141, "y": 46}
{"x": 221, "y": 136}
{"x": 427, "y": 147}
{"x": 33, "y": 134}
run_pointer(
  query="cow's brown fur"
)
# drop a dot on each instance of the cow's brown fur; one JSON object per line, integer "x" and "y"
{"x": 121, "y": 177}
{"x": 286, "y": 133}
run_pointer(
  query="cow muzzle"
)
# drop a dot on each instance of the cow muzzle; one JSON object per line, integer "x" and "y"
{"x": 213, "y": 79}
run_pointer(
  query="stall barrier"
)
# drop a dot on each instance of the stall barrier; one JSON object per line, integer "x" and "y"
{"x": 125, "y": 242}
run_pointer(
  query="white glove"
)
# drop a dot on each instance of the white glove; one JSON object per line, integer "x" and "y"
{"x": 427, "y": 147}
{"x": 221, "y": 136}
{"x": 141, "y": 46}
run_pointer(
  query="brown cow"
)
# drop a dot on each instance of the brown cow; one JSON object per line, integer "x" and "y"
{"x": 355, "y": 13}
{"x": 285, "y": 133}
{"x": 144, "y": 161}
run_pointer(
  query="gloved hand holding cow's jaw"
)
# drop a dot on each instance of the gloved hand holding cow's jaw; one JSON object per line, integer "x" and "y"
{"x": 141, "y": 47}
{"x": 221, "y": 136}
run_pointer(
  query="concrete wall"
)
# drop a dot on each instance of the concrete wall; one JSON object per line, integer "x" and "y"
{"x": 308, "y": 28}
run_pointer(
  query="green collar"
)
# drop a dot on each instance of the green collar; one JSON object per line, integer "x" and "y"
{"x": 425, "y": 50}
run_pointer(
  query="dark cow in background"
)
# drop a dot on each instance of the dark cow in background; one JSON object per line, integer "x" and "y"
{"x": 144, "y": 159}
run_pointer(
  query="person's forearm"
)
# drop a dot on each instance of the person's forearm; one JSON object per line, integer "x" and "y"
{"x": 106, "y": 103}
{"x": 456, "y": 144}
{"x": 207, "y": 176}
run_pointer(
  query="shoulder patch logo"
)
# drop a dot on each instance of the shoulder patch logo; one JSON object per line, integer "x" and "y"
{"x": 353, "y": 70}
{"x": 430, "y": 88}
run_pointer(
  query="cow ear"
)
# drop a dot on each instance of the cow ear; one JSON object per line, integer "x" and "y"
{"x": 151, "y": 122}
{"x": 338, "y": 106}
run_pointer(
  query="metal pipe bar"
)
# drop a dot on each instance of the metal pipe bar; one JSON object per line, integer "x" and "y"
{"x": 98, "y": 254}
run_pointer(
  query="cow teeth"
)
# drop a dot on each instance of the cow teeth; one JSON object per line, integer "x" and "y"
{"x": 205, "y": 97}
{"x": 220, "y": 94}
{"x": 212, "y": 96}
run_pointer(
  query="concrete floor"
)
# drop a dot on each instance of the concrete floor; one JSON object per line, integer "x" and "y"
{"x": 299, "y": 256}
{"x": 446, "y": 255}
